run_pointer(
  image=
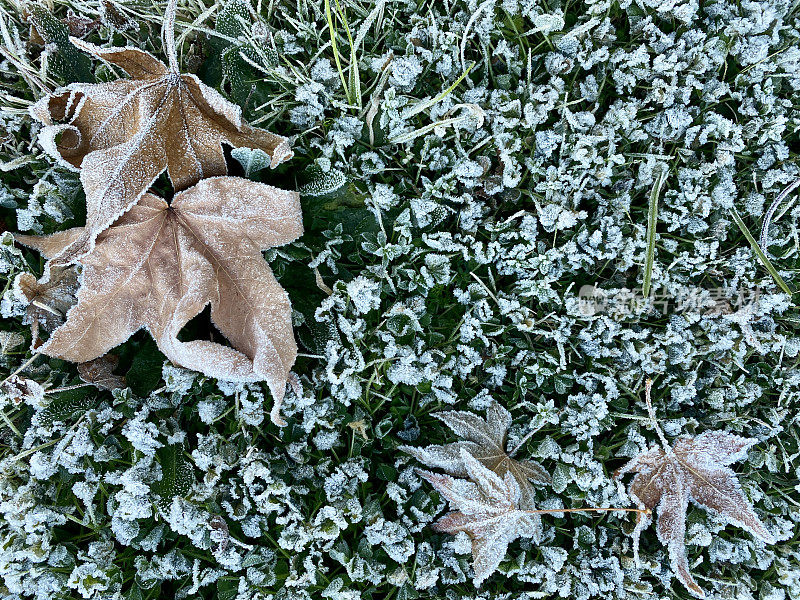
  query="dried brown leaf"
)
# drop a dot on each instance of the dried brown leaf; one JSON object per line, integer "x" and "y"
{"x": 18, "y": 389}
{"x": 220, "y": 533}
{"x": 159, "y": 265}
{"x": 48, "y": 299}
{"x": 100, "y": 372}
{"x": 485, "y": 440}
{"x": 123, "y": 134}
{"x": 80, "y": 26}
{"x": 487, "y": 509}
{"x": 695, "y": 468}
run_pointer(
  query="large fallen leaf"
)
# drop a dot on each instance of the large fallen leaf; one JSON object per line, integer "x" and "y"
{"x": 485, "y": 440}
{"x": 487, "y": 509}
{"x": 123, "y": 134}
{"x": 695, "y": 468}
{"x": 159, "y": 265}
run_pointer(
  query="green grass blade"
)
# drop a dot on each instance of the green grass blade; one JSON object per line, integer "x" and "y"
{"x": 335, "y": 48}
{"x": 760, "y": 253}
{"x": 426, "y": 104}
{"x": 353, "y": 76}
{"x": 652, "y": 221}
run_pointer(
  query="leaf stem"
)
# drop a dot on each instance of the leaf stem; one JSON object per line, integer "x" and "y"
{"x": 66, "y": 388}
{"x": 354, "y": 79}
{"x": 335, "y": 48}
{"x": 10, "y": 424}
{"x": 648, "y": 384}
{"x": 645, "y": 511}
{"x": 22, "y": 367}
{"x": 764, "y": 237}
{"x": 168, "y": 35}
{"x": 759, "y": 252}
{"x": 30, "y": 451}
{"x": 426, "y": 104}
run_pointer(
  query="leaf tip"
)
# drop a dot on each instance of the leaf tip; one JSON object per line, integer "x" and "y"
{"x": 275, "y": 415}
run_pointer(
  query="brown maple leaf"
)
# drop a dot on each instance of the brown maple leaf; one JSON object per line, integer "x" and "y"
{"x": 697, "y": 469}
{"x": 485, "y": 440}
{"x": 159, "y": 265}
{"x": 100, "y": 372}
{"x": 123, "y": 134}
{"x": 487, "y": 509}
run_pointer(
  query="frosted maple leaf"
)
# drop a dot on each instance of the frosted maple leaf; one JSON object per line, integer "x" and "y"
{"x": 47, "y": 302}
{"x": 485, "y": 440}
{"x": 123, "y": 134}
{"x": 158, "y": 267}
{"x": 694, "y": 468}
{"x": 487, "y": 509}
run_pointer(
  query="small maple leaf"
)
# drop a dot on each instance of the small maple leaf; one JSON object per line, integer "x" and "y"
{"x": 20, "y": 389}
{"x": 123, "y": 134}
{"x": 47, "y": 300}
{"x": 487, "y": 509}
{"x": 100, "y": 372}
{"x": 694, "y": 468}
{"x": 485, "y": 440}
{"x": 159, "y": 265}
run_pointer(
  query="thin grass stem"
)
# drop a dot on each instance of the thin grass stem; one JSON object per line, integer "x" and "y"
{"x": 652, "y": 221}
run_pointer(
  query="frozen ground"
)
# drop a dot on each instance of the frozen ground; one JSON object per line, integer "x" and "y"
{"x": 475, "y": 180}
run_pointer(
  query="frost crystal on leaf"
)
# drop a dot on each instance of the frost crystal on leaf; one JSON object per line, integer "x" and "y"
{"x": 695, "y": 468}
{"x": 322, "y": 179}
{"x": 16, "y": 390}
{"x": 485, "y": 440}
{"x": 160, "y": 265}
{"x": 487, "y": 509}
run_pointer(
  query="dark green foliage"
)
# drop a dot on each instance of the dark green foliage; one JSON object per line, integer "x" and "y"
{"x": 64, "y": 61}
{"x": 176, "y": 475}
{"x": 144, "y": 374}
{"x": 234, "y": 63}
{"x": 68, "y": 405}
